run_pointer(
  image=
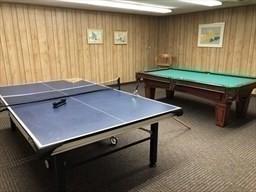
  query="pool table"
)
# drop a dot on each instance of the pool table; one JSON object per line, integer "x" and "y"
{"x": 222, "y": 89}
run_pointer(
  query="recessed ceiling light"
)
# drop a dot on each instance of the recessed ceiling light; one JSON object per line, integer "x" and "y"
{"x": 209, "y": 3}
{"x": 122, "y": 4}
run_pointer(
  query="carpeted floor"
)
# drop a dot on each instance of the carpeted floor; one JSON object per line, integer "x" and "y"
{"x": 206, "y": 158}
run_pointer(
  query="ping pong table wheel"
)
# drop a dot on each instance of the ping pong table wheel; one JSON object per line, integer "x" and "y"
{"x": 113, "y": 140}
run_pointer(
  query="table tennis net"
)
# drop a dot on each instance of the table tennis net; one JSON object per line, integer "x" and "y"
{"x": 54, "y": 94}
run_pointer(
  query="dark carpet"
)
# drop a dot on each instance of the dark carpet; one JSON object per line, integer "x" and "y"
{"x": 206, "y": 158}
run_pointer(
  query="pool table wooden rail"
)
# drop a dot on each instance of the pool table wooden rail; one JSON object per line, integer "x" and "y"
{"x": 220, "y": 95}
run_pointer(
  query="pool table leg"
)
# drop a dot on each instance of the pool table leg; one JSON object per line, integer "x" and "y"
{"x": 242, "y": 106}
{"x": 150, "y": 92}
{"x": 222, "y": 111}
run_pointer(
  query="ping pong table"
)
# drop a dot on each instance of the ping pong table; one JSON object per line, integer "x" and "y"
{"x": 86, "y": 112}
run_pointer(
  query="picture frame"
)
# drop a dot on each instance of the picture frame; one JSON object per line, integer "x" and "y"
{"x": 95, "y": 36}
{"x": 120, "y": 37}
{"x": 211, "y": 35}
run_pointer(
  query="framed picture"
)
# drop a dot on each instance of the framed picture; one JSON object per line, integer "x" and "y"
{"x": 120, "y": 37}
{"x": 95, "y": 36}
{"x": 210, "y": 35}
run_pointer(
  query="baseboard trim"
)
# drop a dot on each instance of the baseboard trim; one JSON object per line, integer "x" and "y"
{"x": 129, "y": 82}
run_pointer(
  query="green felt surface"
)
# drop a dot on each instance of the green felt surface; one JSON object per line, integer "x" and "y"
{"x": 204, "y": 77}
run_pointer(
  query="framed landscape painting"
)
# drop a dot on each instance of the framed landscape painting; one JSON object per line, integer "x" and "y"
{"x": 95, "y": 36}
{"x": 211, "y": 35}
{"x": 120, "y": 37}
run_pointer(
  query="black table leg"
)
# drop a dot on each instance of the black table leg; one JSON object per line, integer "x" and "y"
{"x": 153, "y": 144}
{"x": 59, "y": 171}
{"x": 13, "y": 125}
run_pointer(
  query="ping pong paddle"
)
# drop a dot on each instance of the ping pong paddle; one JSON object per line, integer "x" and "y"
{"x": 59, "y": 103}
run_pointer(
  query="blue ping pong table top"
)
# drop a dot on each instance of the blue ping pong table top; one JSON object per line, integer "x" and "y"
{"x": 83, "y": 115}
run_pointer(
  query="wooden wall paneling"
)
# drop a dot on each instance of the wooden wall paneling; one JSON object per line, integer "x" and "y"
{"x": 246, "y": 36}
{"x": 189, "y": 42}
{"x": 18, "y": 41}
{"x": 178, "y": 43}
{"x": 109, "y": 48}
{"x": 212, "y": 53}
{"x": 21, "y": 26}
{"x": 66, "y": 43}
{"x": 92, "y": 48}
{"x": 143, "y": 43}
{"x": 197, "y": 64}
{"x": 3, "y": 77}
{"x": 154, "y": 47}
{"x": 142, "y": 64}
{"x": 11, "y": 46}
{"x": 226, "y": 41}
{"x": 252, "y": 44}
{"x": 253, "y": 63}
{"x": 215, "y": 55}
{"x": 204, "y": 51}
{"x": 51, "y": 43}
{"x": 43, "y": 44}
{"x": 81, "y": 38}
{"x": 138, "y": 32}
{"x": 220, "y": 52}
{"x": 115, "y": 48}
{"x": 122, "y": 65}
{"x": 56, "y": 43}
{"x": 194, "y": 39}
{"x": 72, "y": 43}
{"x": 51, "y": 36}
{"x": 38, "y": 73}
{"x": 79, "y": 45}
{"x": 235, "y": 43}
{"x": 137, "y": 43}
{"x": 100, "y": 53}
{"x": 170, "y": 40}
{"x": 4, "y": 70}
{"x": 163, "y": 35}
{"x": 147, "y": 47}
{"x": 239, "y": 38}
{"x": 132, "y": 45}
{"x": 173, "y": 40}
{"x": 86, "y": 63}
{"x": 2, "y": 67}
{"x": 125, "y": 21}
{"x": 28, "y": 48}
{"x": 75, "y": 62}
{"x": 125, "y": 56}
{"x": 119, "y": 49}
{"x": 129, "y": 52}
{"x": 152, "y": 42}
{"x": 183, "y": 39}
{"x": 61, "y": 39}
